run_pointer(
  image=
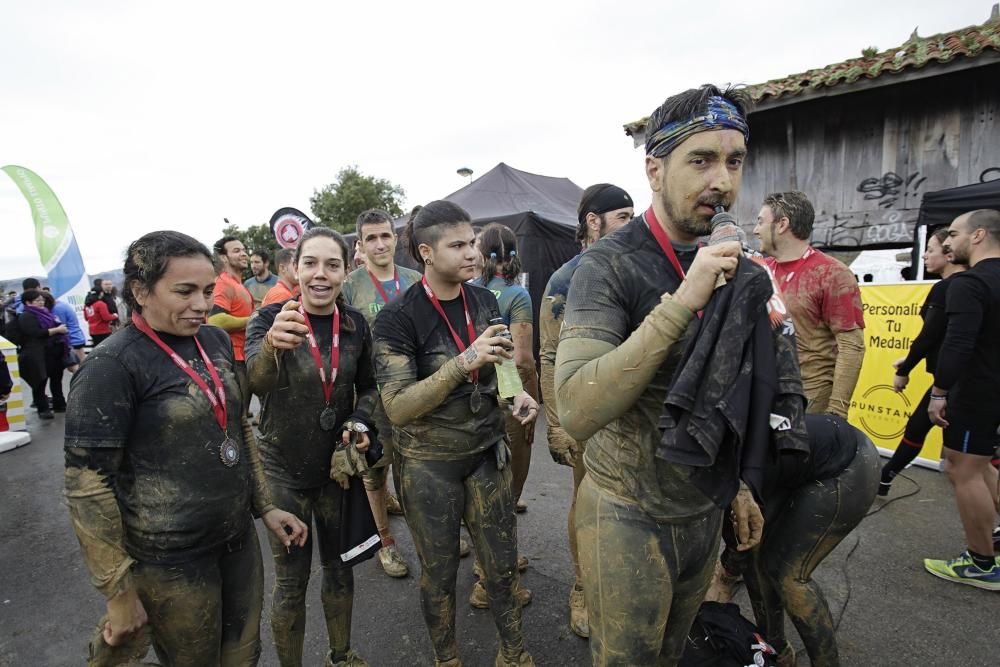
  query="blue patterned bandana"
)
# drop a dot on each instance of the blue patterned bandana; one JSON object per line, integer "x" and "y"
{"x": 720, "y": 115}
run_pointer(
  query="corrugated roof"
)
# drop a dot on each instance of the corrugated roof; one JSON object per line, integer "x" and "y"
{"x": 915, "y": 53}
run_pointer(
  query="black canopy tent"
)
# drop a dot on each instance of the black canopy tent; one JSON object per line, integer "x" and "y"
{"x": 942, "y": 206}
{"x": 540, "y": 209}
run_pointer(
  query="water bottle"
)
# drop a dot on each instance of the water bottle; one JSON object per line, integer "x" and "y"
{"x": 508, "y": 381}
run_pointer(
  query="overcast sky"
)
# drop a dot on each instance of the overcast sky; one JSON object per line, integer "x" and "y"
{"x": 156, "y": 115}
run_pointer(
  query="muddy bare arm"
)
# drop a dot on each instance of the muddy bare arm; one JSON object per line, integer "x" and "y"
{"x": 597, "y": 382}
{"x": 262, "y": 358}
{"x": 850, "y": 354}
{"x": 407, "y": 401}
{"x": 97, "y": 518}
{"x": 562, "y": 447}
{"x": 261, "y": 492}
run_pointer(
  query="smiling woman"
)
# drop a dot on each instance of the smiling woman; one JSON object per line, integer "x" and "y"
{"x": 162, "y": 469}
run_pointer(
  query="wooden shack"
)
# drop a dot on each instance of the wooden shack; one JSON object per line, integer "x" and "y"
{"x": 865, "y": 138}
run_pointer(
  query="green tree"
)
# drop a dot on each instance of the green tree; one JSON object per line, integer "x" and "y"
{"x": 337, "y": 205}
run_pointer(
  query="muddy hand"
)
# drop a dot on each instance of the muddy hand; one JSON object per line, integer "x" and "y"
{"x": 747, "y": 520}
{"x": 287, "y": 527}
{"x": 525, "y": 408}
{"x": 125, "y": 615}
{"x": 489, "y": 348}
{"x": 708, "y": 265}
{"x": 289, "y": 328}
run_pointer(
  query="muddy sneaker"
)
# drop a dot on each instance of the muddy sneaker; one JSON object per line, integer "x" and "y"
{"x": 454, "y": 662}
{"x": 463, "y": 547}
{"x": 724, "y": 585}
{"x": 962, "y": 570}
{"x": 352, "y": 659}
{"x": 521, "y": 507}
{"x": 523, "y": 660}
{"x": 392, "y": 562}
{"x": 522, "y": 563}
{"x": 787, "y": 657}
{"x": 579, "y": 620}
{"x": 480, "y": 600}
{"x": 392, "y": 505}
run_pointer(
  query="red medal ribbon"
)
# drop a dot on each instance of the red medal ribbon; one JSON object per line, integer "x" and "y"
{"x": 785, "y": 271}
{"x": 454, "y": 334}
{"x": 378, "y": 284}
{"x": 217, "y": 398}
{"x": 661, "y": 237}
{"x": 665, "y": 245}
{"x": 334, "y": 352}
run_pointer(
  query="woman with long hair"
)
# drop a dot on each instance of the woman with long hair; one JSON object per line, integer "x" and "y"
{"x": 925, "y": 346}
{"x": 310, "y": 361}
{"x": 162, "y": 471}
{"x": 435, "y": 352}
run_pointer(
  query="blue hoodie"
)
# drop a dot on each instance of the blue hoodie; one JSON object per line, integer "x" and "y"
{"x": 67, "y": 315}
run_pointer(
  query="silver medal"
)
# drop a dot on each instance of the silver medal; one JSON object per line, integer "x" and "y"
{"x": 328, "y": 419}
{"x": 229, "y": 452}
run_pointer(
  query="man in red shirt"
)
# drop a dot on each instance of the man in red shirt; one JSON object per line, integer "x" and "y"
{"x": 823, "y": 299}
{"x": 233, "y": 303}
{"x": 287, "y": 285}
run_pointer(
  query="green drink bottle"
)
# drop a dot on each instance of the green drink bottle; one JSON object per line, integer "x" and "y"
{"x": 508, "y": 381}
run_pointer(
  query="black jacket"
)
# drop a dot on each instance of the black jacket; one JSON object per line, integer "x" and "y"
{"x": 735, "y": 374}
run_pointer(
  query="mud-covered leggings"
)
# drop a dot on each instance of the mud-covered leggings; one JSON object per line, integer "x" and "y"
{"x": 318, "y": 507}
{"x": 206, "y": 611}
{"x": 436, "y": 496}
{"x": 643, "y": 580}
{"x": 816, "y": 517}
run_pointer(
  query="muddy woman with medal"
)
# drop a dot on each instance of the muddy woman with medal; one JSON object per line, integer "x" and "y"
{"x": 434, "y": 354}
{"x": 162, "y": 470}
{"x": 310, "y": 361}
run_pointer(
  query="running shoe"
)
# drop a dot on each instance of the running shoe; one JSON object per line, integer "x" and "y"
{"x": 579, "y": 621}
{"x": 392, "y": 562}
{"x": 883, "y": 488}
{"x": 962, "y": 570}
{"x": 352, "y": 659}
{"x": 523, "y": 660}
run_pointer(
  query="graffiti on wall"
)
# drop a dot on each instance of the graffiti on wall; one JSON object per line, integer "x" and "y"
{"x": 864, "y": 228}
{"x": 888, "y": 188}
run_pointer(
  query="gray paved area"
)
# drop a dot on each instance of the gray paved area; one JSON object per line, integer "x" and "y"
{"x": 897, "y": 614}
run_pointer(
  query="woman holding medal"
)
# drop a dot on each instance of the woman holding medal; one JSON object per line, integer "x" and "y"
{"x": 310, "y": 361}
{"x": 435, "y": 354}
{"x": 162, "y": 470}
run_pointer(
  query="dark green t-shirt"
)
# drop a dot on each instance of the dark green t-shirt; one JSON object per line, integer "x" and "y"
{"x": 293, "y": 447}
{"x": 359, "y": 290}
{"x": 177, "y": 499}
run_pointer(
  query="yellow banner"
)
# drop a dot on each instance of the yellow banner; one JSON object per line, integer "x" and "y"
{"x": 892, "y": 321}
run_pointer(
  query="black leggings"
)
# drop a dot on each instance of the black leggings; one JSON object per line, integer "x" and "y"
{"x": 319, "y": 507}
{"x": 815, "y": 518}
{"x": 917, "y": 428}
{"x": 436, "y": 495}
{"x": 206, "y": 611}
{"x": 54, "y": 369}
